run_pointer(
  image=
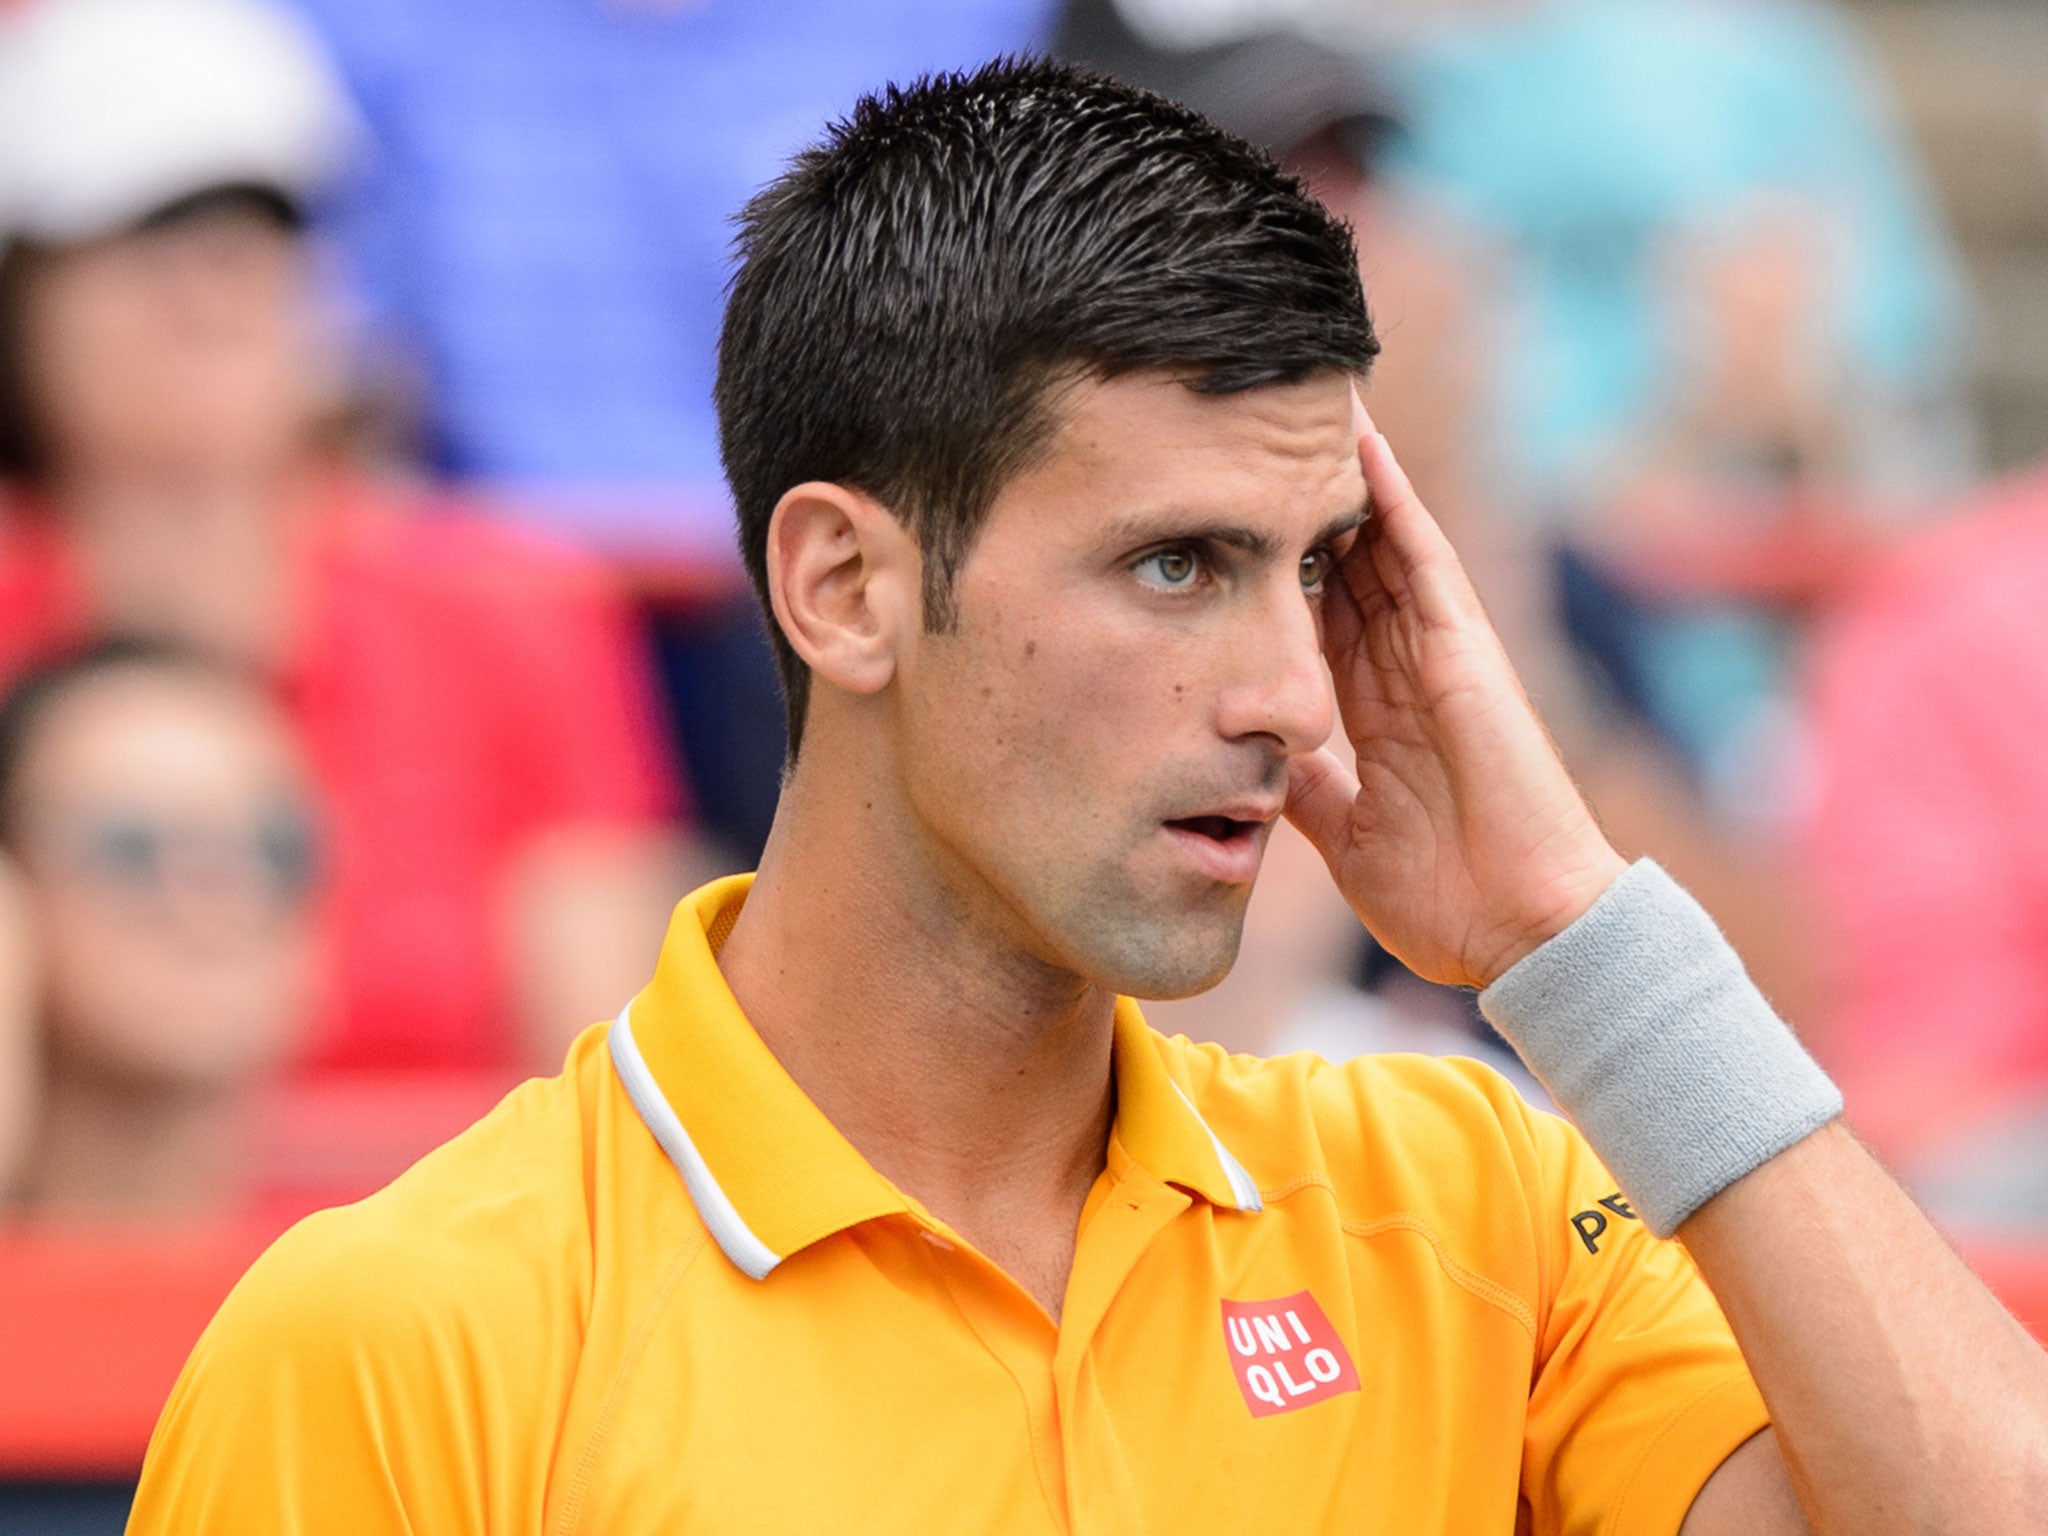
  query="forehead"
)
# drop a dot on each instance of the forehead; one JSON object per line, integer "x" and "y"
{"x": 1280, "y": 457}
{"x": 154, "y": 736}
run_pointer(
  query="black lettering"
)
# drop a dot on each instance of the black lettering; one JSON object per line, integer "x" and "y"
{"x": 1619, "y": 1206}
{"x": 1590, "y": 1225}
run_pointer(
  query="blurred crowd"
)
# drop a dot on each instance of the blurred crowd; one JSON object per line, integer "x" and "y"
{"x": 377, "y": 670}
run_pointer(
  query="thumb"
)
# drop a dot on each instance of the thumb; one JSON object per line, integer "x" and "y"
{"x": 1321, "y": 795}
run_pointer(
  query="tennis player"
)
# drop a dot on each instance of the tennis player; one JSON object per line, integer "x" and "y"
{"x": 881, "y": 1208}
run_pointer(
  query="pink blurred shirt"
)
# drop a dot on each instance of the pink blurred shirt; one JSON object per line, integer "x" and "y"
{"x": 1930, "y": 696}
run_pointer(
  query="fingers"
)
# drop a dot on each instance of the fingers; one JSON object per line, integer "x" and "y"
{"x": 1321, "y": 792}
{"x": 1343, "y": 618}
{"x": 1410, "y": 559}
{"x": 1407, "y": 524}
{"x": 1361, "y": 419}
{"x": 1391, "y": 497}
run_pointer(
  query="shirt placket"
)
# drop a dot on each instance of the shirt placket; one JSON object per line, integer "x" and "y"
{"x": 1102, "y": 1495}
{"x": 1013, "y": 1328}
{"x": 1087, "y": 1481}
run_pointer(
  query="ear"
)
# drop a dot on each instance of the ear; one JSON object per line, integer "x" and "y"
{"x": 845, "y": 579}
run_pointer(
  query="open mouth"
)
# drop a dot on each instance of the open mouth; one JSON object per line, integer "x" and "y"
{"x": 1221, "y": 848}
{"x": 1221, "y": 829}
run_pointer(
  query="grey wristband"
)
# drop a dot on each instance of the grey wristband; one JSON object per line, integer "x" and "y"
{"x": 1642, "y": 1023}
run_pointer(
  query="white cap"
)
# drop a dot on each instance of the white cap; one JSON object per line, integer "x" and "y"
{"x": 110, "y": 109}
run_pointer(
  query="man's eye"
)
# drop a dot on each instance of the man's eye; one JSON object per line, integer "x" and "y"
{"x": 1173, "y": 569}
{"x": 1316, "y": 566}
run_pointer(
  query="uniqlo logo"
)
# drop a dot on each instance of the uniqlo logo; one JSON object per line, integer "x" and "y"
{"x": 1285, "y": 1353}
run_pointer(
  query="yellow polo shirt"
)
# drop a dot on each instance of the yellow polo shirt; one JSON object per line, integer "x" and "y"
{"x": 661, "y": 1293}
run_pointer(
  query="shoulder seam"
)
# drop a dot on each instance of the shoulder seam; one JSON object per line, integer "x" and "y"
{"x": 571, "y": 1518}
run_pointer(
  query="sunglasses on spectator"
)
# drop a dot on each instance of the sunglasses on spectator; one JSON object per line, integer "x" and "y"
{"x": 148, "y": 856}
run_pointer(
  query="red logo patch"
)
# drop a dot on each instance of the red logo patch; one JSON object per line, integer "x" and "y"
{"x": 1286, "y": 1354}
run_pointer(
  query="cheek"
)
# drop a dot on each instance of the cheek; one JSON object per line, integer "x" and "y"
{"x": 84, "y": 940}
{"x": 70, "y": 352}
{"x": 1137, "y": 695}
{"x": 1057, "y": 712}
{"x": 1079, "y": 737}
{"x": 133, "y": 991}
{"x": 107, "y": 356}
{"x": 104, "y": 378}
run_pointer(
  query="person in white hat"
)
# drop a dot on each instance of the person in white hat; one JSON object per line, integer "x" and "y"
{"x": 156, "y": 160}
{"x": 112, "y": 109}
{"x": 476, "y": 713}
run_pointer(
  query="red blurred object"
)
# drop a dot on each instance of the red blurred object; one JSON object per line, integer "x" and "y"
{"x": 2017, "y": 1273}
{"x": 463, "y": 688}
{"x": 1793, "y": 549}
{"x": 94, "y": 1327}
{"x": 96, "y": 1320}
{"x": 337, "y": 1138}
{"x": 679, "y": 585}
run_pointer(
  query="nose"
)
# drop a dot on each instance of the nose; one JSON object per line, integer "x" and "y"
{"x": 1278, "y": 686}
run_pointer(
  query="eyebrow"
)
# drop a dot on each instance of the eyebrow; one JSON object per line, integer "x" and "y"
{"x": 1168, "y": 525}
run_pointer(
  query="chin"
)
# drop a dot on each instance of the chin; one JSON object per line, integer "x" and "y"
{"x": 1164, "y": 962}
{"x": 1173, "y": 989}
{"x": 1147, "y": 937}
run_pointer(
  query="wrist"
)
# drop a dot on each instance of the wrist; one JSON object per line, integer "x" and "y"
{"x": 1563, "y": 902}
{"x": 1642, "y": 1023}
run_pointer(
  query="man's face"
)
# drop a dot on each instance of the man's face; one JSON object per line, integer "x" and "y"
{"x": 1098, "y": 750}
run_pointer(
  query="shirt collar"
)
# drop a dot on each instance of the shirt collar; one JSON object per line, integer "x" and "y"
{"x": 768, "y": 1173}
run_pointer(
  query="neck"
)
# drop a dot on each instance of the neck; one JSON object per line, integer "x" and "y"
{"x": 104, "y": 1146}
{"x": 972, "y": 1075}
{"x": 202, "y": 557}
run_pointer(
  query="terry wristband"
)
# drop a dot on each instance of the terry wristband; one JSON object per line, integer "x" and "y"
{"x": 1642, "y": 1023}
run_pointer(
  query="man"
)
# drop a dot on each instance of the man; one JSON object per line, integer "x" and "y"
{"x": 877, "y": 1210}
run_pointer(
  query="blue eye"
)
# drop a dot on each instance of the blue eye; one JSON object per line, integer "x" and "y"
{"x": 1174, "y": 569}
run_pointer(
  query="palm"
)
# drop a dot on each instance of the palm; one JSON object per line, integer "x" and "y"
{"x": 1462, "y": 841}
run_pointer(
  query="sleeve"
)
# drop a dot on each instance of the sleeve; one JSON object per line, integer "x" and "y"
{"x": 1639, "y": 1392}
{"x": 320, "y": 1400}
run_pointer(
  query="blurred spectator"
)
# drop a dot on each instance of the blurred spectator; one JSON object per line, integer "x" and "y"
{"x": 477, "y": 717}
{"x": 1930, "y": 698}
{"x": 157, "y": 807}
{"x": 1604, "y": 140}
{"x": 540, "y": 234}
{"x": 1739, "y": 327}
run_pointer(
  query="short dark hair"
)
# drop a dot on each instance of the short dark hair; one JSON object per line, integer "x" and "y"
{"x": 913, "y": 288}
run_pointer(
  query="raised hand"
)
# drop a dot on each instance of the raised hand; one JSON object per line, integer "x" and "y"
{"x": 1461, "y": 842}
